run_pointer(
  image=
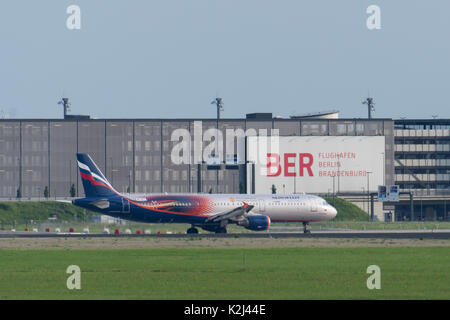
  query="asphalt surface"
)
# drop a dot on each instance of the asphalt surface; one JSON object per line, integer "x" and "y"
{"x": 380, "y": 234}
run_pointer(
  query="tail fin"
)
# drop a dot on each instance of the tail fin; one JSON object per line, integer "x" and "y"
{"x": 94, "y": 182}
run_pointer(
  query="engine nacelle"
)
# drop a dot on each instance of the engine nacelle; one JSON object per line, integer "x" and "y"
{"x": 257, "y": 223}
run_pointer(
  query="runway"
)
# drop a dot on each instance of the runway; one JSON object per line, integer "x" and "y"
{"x": 378, "y": 234}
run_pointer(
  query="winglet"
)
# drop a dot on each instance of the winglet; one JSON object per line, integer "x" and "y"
{"x": 247, "y": 207}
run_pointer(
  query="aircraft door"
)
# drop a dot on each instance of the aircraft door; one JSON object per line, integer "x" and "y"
{"x": 125, "y": 206}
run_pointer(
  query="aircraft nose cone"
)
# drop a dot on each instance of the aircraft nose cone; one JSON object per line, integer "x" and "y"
{"x": 333, "y": 212}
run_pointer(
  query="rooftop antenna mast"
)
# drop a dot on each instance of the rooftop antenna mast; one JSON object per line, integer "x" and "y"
{"x": 370, "y": 106}
{"x": 4, "y": 113}
{"x": 66, "y": 105}
{"x": 219, "y": 105}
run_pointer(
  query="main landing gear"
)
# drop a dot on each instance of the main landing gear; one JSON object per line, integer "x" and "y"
{"x": 306, "y": 227}
{"x": 216, "y": 229}
{"x": 221, "y": 230}
{"x": 192, "y": 230}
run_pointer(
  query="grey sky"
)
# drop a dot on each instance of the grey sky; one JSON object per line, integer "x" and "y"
{"x": 169, "y": 58}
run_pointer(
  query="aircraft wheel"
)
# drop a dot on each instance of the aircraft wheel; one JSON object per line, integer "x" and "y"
{"x": 192, "y": 231}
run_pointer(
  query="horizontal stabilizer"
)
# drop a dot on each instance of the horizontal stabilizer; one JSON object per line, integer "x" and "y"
{"x": 101, "y": 204}
{"x": 64, "y": 201}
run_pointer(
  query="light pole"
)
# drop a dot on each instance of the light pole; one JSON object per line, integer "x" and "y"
{"x": 368, "y": 193}
{"x": 334, "y": 192}
{"x": 129, "y": 182}
{"x": 363, "y": 193}
{"x": 338, "y": 165}
{"x": 20, "y": 178}
{"x": 70, "y": 178}
{"x": 219, "y": 105}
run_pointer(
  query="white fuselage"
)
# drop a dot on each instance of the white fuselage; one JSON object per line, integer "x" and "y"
{"x": 279, "y": 208}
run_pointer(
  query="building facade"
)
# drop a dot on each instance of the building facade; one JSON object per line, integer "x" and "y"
{"x": 136, "y": 156}
{"x": 422, "y": 167}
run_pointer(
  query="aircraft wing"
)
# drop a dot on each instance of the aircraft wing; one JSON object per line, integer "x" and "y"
{"x": 236, "y": 213}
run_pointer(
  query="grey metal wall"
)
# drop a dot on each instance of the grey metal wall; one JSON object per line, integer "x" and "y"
{"x": 147, "y": 153}
{"x": 35, "y": 162}
{"x": 9, "y": 158}
{"x": 135, "y": 154}
{"x": 63, "y": 164}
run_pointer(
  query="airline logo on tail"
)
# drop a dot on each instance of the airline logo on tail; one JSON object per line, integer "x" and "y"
{"x": 95, "y": 179}
{"x": 94, "y": 182}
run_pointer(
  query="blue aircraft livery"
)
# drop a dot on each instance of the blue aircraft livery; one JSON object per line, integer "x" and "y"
{"x": 211, "y": 212}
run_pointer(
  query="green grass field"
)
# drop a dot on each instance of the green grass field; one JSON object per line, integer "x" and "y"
{"x": 297, "y": 273}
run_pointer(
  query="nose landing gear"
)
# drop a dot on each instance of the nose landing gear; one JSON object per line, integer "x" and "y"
{"x": 192, "y": 230}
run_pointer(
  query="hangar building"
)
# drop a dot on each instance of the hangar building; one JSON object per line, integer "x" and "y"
{"x": 136, "y": 155}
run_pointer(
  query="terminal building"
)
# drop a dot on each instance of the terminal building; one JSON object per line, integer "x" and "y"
{"x": 422, "y": 167}
{"x": 37, "y": 158}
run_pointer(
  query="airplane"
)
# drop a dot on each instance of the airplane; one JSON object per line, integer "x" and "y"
{"x": 211, "y": 212}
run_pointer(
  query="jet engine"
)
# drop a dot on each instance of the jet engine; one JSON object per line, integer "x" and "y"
{"x": 256, "y": 223}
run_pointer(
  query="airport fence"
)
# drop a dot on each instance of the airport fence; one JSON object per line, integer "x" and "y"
{"x": 173, "y": 228}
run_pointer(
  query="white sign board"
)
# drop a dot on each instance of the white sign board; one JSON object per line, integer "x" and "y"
{"x": 389, "y": 193}
{"x": 382, "y": 193}
{"x": 393, "y": 193}
{"x": 317, "y": 164}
